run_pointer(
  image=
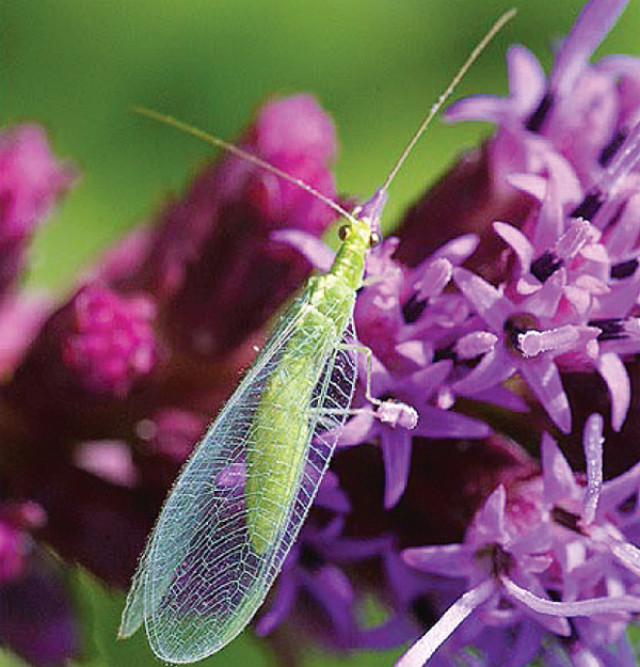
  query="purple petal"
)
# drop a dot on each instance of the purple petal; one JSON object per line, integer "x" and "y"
{"x": 356, "y": 430}
{"x": 333, "y": 591}
{"x": 458, "y": 249}
{"x": 495, "y": 367}
{"x": 532, "y": 184}
{"x": 602, "y": 605}
{"x": 543, "y": 378}
{"x": 396, "y": 453}
{"x": 488, "y": 525}
{"x": 435, "y": 423}
{"x": 491, "y": 305}
{"x": 595, "y": 21}
{"x": 488, "y": 108}
{"x": 527, "y": 81}
{"x": 280, "y": 605}
{"x": 628, "y": 555}
{"x": 559, "y": 481}
{"x": 474, "y": 344}
{"x": 433, "y": 278}
{"x": 372, "y": 210}
{"x": 593, "y": 442}
{"x": 398, "y": 630}
{"x": 545, "y": 301}
{"x": 614, "y": 373}
{"x": 295, "y": 124}
{"x": 430, "y": 378}
{"x": 108, "y": 459}
{"x": 502, "y": 397}
{"x": 518, "y": 242}
{"x": 311, "y": 247}
{"x": 461, "y": 609}
{"x": 622, "y": 236}
{"x": 449, "y": 560}
{"x": 619, "y": 489}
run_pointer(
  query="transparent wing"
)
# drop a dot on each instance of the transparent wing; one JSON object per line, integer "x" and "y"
{"x": 199, "y": 581}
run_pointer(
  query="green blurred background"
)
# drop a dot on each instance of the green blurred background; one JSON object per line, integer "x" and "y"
{"x": 78, "y": 66}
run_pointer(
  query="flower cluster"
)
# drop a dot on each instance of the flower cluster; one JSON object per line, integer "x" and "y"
{"x": 504, "y": 528}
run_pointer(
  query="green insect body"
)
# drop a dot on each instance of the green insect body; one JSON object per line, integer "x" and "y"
{"x": 326, "y": 309}
{"x": 241, "y": 499}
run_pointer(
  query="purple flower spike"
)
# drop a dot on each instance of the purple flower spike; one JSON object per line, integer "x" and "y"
{"x": 110, "y": 344}
{"x": 31, "y": 183}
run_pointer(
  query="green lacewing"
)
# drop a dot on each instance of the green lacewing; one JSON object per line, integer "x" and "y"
{"x": 241, "y": 498}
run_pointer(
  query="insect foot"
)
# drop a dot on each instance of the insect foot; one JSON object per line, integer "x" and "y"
{"x": 395, "y": 413}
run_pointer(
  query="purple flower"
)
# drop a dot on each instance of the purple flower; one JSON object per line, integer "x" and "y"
{"x": 415, "y": 389}
{"x": 312, "y": 571}
{"x": 36, "y": 616}
{"x": 528, "y": 342}
{"x": 110, "y": 345}
{"x": 574, "y": 112}
{"x": 31, "y": 183}
{"x": 541, "y": 549}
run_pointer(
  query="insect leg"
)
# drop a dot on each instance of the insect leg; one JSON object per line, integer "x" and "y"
{"x": 391, "y": 412}
{"x": 363, "y": 349}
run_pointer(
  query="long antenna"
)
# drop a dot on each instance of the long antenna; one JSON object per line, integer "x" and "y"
{"x": 493, "y": 31}
{"x": 242, "y": 154}
{"x": 263, "y": 164}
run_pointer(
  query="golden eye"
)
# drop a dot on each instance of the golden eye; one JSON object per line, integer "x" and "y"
{"x": 374, "y": 239}
{"x": 344, "y": 232}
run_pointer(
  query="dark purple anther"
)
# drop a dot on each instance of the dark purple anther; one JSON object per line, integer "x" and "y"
{"x": 545, "y": 266}
{"x": 413, "y": 308}
{"x": 624, "y": 269}
{"x": 589, "y": 206}
{"x": 567, "y": 519}
{"x": 539, "y": 116}
{"x": 612, "y": 147}
{"x": 612, "y": 329}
